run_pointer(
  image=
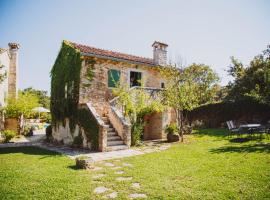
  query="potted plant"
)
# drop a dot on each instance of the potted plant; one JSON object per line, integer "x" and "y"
{"x": 172, "y": 132}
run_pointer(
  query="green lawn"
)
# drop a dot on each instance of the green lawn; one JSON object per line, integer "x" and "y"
{"x": 207, "y": 166}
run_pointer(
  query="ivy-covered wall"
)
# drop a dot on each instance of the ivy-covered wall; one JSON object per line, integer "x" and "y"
{"x": 65, "y": 80}
{"x": 65, "y": 88}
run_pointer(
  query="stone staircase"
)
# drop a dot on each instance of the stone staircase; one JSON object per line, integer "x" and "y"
{"x": 114, "y": 141}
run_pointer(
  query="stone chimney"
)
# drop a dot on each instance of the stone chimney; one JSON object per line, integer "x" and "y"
{"x": 13, "y": 70}
{"x": 160, "y": 53}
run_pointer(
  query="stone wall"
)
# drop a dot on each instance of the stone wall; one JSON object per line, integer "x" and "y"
{"x": 156, "y": 124}
{"x": 62, "y": 134}
{"x": 98, "y": 92}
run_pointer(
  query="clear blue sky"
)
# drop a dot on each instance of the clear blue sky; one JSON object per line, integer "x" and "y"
{"x": 197, "y": 31}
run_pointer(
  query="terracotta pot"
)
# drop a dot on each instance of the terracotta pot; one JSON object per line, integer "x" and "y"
{"x": 172, "y": 137}
{"x": 12, "y": 124}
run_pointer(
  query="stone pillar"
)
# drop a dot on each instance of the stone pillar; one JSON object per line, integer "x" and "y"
{"x": 13, "y": 70}
{"x": 160, "y": 53}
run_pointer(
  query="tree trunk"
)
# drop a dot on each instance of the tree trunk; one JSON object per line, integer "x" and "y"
{"x": 180, "y": 123}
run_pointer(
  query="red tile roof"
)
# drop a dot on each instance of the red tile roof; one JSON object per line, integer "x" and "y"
{"x": 112, "y": 54}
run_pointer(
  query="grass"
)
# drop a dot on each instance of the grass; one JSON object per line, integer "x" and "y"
{"x": 206, "y": 166}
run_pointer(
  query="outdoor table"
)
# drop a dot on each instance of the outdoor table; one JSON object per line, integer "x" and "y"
{"x": 249, "y": 125}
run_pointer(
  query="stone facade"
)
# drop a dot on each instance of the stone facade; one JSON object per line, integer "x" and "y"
{"x": 98, "y": 91}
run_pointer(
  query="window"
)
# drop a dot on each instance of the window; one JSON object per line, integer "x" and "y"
{"x": 135, "y": 78}
{"x": 113, "y": 77}
{"x": 162, "y": 85}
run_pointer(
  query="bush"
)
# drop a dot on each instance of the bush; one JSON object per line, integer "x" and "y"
{"x": 8, "y": 135}
{"x": 49, "y": 133}
{"x": 28, "y": 130}
{"x": 136, "y": 133}
{"x": 172, "y": 128}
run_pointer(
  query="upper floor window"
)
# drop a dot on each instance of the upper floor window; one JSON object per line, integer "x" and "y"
{"x": 135, "y": 79}
{"x": 113, "y": 77}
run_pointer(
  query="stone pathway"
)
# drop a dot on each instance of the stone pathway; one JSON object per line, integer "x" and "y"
{"x": 100, "y": 190}
{"x": 112, "y": 195}
{"x": 137, "y": 196}
{"x": 123, "y": 178}
{"x": 136, "y": 185}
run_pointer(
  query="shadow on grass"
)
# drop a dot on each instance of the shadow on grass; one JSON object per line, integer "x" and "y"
{"x": 240, "y": 140}
{"x": 74, "y": 167}
{"x": 29, "y": 151}
{"x": 252, "y": 148}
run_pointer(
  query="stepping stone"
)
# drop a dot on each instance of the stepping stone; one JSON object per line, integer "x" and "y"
{"x": 137, "y": 196}
{"x": 119, "y": 172}
{"x": 117, "y": 167}
{"x": 127, "y": 165}
{"x": 136, "y": 185}
{"x": 112, "y": 195}
{"x": 109, "y": 164}
{"x": 96, "y": 168}
{"x": 98, "y": 176}
{"x": 100, "y": 190}
{"x": 124, "y": 178}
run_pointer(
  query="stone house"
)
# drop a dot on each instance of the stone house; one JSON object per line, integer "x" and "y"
{"x": 95, "y": 94}
{"x": 9, "y": 70}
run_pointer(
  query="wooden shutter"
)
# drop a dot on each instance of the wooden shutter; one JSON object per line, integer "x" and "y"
{"x": 113, "y": 77}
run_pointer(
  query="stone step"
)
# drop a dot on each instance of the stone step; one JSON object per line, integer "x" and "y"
{"x": 114, "y": 138}
{"x": 110, "y": 129}
{"x": 112, "y": 133}
{"x": 116, "y": 148}
{"x": 114, "y": 143}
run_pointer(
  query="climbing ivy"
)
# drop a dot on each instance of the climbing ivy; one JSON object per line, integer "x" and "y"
{"x": 65, "y": 81}
{"x": 88, "y": 122}
{"x": 65, "y": 85}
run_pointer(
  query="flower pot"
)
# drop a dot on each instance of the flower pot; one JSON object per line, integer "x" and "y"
{"x": 173, "y": 137}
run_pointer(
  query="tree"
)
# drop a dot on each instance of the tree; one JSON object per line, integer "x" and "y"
{"x": 252, "y": 81}
{"x": 188, "y": 88}
{"x": 43, "y": 98}
{"x": 21, "y": 106}
{"x": 136, "y": 103}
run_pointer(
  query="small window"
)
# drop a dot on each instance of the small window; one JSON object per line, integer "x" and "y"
{"x": 113, "y": 77}
{"x": 135, "y": 79}
{"x": 162, "y": 85}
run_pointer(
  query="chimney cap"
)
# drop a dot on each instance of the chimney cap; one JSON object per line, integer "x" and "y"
{"x": 157, "y": 43}
{"x": 13, "y": 45}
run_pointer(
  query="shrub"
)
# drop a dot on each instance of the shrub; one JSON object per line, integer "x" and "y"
{"x": 28, "y": 130}
{"x": 48, "y": 133}
{"x": 8, "y": 135}
{"x": 136, "y": 133}
{"x": 172, "y": 128}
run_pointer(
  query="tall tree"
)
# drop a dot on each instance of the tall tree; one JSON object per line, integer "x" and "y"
{"x": 43, "y": 98}
{"x": 188, "y": 88}
{"x": 3, "y": 75}
{"x": 252, "y": 81}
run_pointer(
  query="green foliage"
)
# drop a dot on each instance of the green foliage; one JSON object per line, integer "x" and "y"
{"x": 43, "y": 98}
{"x": 65, "y": 83}
{"x": 172, "y": 128}
{"x": 137, "y": 104}
{"x": 21, "y": 106}
{"x": 136, "y": 133}
{"x": 90, "y": 126}
{"x": 213, "y": 115}
{"x": 188, "y": 88}
{"x": 251, "y": 82}
{"x": 8, "y": 135}
{"x": 28, "y": 130}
